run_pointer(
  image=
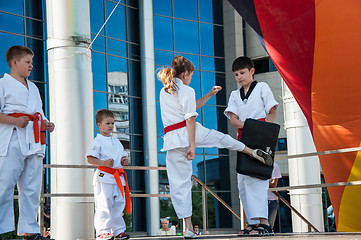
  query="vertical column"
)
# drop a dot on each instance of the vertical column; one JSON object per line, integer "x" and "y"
{"x": 302, "y": 171}
{"x": 149, "y": 112}
{"x": 233, "y": 48}
{"x": 71, "y": 108}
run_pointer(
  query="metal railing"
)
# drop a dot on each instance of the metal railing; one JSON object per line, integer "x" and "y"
{"x": 205, "y": 187}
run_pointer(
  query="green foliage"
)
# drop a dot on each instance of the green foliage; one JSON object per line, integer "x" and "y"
{"x": 128, "y": 221}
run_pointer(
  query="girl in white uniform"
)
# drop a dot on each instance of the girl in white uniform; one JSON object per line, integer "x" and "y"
{"x": 183, "y": 134}
{"x": 253, "y": 100}
{"x": 22, "y": 145}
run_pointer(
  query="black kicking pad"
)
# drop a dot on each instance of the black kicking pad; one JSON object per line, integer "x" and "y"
{"x": 261, "y": 135}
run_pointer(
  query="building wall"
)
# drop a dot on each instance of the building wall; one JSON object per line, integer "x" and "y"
{"x": 208, "y": 32}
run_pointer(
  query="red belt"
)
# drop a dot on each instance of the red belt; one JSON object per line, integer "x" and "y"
{"x": 240, "y": 129}
{"x": 117, "y": 173}
{"x": 34, "y": 118}
{"x": 175, "y": 126}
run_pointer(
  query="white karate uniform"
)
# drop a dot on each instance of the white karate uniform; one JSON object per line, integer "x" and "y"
{"x": 20, "y": 157}
{"x": 176, "y": 108}
{"x": 253, "y": 191}
{"x": 108, "y": 200}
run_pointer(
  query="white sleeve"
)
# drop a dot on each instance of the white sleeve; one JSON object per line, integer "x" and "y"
{"x": 187, "y": 99}
{"x": 276, "y": 173}
{"x": 267, "y": 97}
{"x": 232, "y": 106}
{"x": 93, "y": 149}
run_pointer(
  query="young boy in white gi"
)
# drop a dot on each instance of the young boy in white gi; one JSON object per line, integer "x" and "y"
{"x": 183, "y": 135}
{"x": 22, "y": 144}
{"x": 108, "y": 154}
{"x": 253, "y": 100}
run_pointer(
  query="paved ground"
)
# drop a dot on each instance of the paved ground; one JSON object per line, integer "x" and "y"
{"x": 280, "y": 236}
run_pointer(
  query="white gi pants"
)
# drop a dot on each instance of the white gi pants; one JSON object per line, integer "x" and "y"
{"x": 27, "y": 173}
{"x": 179, "y": 170}
{"x": 254, "y": 196}
{"x": 109, "y": 206}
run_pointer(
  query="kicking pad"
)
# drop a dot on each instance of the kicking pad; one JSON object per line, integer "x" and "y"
{"x": 257, "y": 135}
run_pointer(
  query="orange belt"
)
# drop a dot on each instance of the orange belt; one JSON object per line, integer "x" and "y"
{"x": 117, "y": 173}
{"x": 34, "y": 118}
{"x": 175, "y": 126}
{"x": 240, "y": 129}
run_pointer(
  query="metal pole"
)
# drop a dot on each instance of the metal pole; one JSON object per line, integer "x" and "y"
{"x": 71, "y": 109}
{"x": 204, "y": 206}
{"x": 302, "y": 170}
{"x": 149, "y": 113}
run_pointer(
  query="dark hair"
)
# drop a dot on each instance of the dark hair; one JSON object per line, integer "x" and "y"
{"x": 101, "y": 114}
{"x": 17, "y": 52}
{"x": 241, "y": 63}
{"x": 179, "y": 65}
{"x": 174, "y": 222}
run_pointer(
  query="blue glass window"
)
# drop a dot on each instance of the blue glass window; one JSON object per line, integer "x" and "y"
{"x": 11, "y": 23}
{"x": 116, "y": 25}
{"x": 99, "y": 72}
{"x": 13, "y": 6}
{"x": 162, "y": 7}
{"x": 163, "y": 58}
{"x": 208, "y": 81}
{"x": 186, "y": 9}
{"x": 116, "y": 47}
{"x": 186, "y": 36}
{"x": 207, "y": 63}
{"x": 116, "y": 64}
{"x": 207, "y": 39}
{"x": 163, "y": 33}
{"x": 97, "y": 16}
{"x": 98, "y": 44}
{"x": 206, "y": 11}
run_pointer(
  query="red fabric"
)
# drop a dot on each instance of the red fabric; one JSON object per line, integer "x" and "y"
{"x": 34, "y": 118}
{"x": 117, "y": 173}
{"x": 240, "y": 129}
{"x": 175, "y": 126}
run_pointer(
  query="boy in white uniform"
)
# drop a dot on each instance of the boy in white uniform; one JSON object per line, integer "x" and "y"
{"x": 252, "y": 100}
{"x": 22, "y": 144}
{"x": 183, "y": 135}
{"x": 108, "y": 154}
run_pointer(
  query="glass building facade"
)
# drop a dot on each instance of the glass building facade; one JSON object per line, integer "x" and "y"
{"x": 192, "y": 28}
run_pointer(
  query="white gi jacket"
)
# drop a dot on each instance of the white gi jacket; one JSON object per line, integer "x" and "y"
{"x": 104, "y": 148}
{"x": 259, "y": 102}
{"x": 176, "y": 108}
{"x": 16, "y": 98}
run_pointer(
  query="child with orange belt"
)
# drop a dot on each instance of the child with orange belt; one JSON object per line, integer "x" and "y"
{"x": 22, "y": 144}
{"x": 108, "y": 154}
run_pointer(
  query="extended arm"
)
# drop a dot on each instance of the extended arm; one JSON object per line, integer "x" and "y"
{"x": 200, "y": 102}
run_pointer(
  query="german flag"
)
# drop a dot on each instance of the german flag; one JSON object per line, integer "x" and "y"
{"x": 316, "y": 47}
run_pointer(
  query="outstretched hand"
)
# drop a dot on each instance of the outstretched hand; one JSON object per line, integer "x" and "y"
{"x": 215, "y": 90}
